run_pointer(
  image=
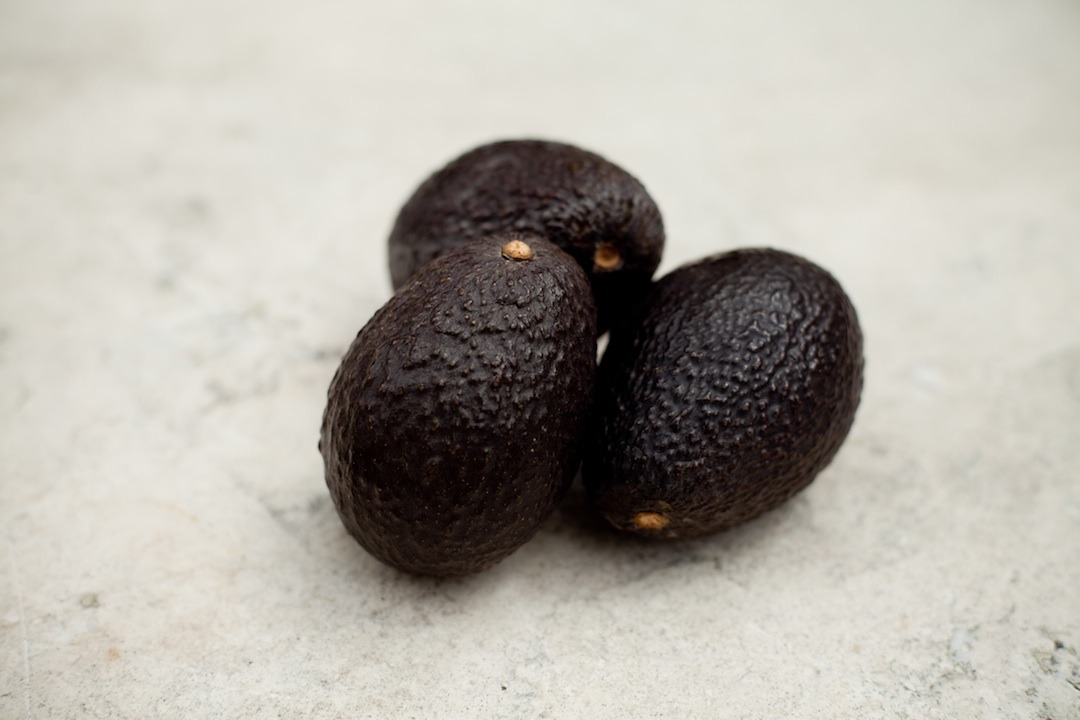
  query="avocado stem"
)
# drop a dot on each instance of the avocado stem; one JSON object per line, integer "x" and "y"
{"x": 650, "y": 521}
{"x": 517, "y": 250}
{"x": 606, "y": 258}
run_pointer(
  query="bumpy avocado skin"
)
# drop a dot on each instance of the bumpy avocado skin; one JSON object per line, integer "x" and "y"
{"x": 731, "y": 387}
{"x": 453, "y": 425}
{"x": 573, "y": 197}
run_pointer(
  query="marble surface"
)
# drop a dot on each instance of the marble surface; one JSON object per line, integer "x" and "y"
{"x": 194, "y": 200}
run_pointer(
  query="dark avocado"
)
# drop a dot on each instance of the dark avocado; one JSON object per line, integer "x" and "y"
{"x": 453, "y": 426}
{"x": 729, "y": 388}
{"x": 589, "y": 207}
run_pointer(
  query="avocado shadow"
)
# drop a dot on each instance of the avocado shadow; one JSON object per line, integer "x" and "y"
{"x": 341, "y": 556}
{"x": 576, "y": 542}
{"x": 579, "y": 528}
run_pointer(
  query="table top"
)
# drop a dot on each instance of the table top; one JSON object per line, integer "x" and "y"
{"x": 194, "y": 205}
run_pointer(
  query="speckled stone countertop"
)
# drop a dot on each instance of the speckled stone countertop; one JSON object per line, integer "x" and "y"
{"x": 194, "y": 201}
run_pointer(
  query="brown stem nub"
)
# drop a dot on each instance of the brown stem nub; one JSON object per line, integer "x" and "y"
{"x": 606, "y": 258}
{"x": 517, "y": 250}
{"x": 650, "y": 521}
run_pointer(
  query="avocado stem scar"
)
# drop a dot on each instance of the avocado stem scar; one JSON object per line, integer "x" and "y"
{"x": 517, "y": 250}
{"x": 606, "y": 258}
{"x": 650, "y": 521}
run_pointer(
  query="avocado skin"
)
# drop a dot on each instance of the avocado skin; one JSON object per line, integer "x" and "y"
{"x": 572, "y": 197}
{"x": 725, "y": 393}
{"x": 453, "y": 425}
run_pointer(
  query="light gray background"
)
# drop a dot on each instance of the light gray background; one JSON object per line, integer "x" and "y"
{"x": 194, "y": 200}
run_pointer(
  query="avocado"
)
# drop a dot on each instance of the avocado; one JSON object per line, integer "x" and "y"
{"x": 589, "y": 207}
{"x": 454, "y": 423}
{"x": 725, "y": 392}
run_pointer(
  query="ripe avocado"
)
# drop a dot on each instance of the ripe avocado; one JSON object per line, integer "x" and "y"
{"x": 731, "y": 386}
{"x": 453, "y": 426}
{"x": 586, "y": 205}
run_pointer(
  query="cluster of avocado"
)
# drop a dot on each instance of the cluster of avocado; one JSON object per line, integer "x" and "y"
{"x": 462, "y": 411}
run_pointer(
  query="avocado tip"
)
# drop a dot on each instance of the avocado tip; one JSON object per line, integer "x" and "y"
{"x": 650, "y": 521}
{"x": 517, "y": 250}
{"x": 606, "y": 258}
